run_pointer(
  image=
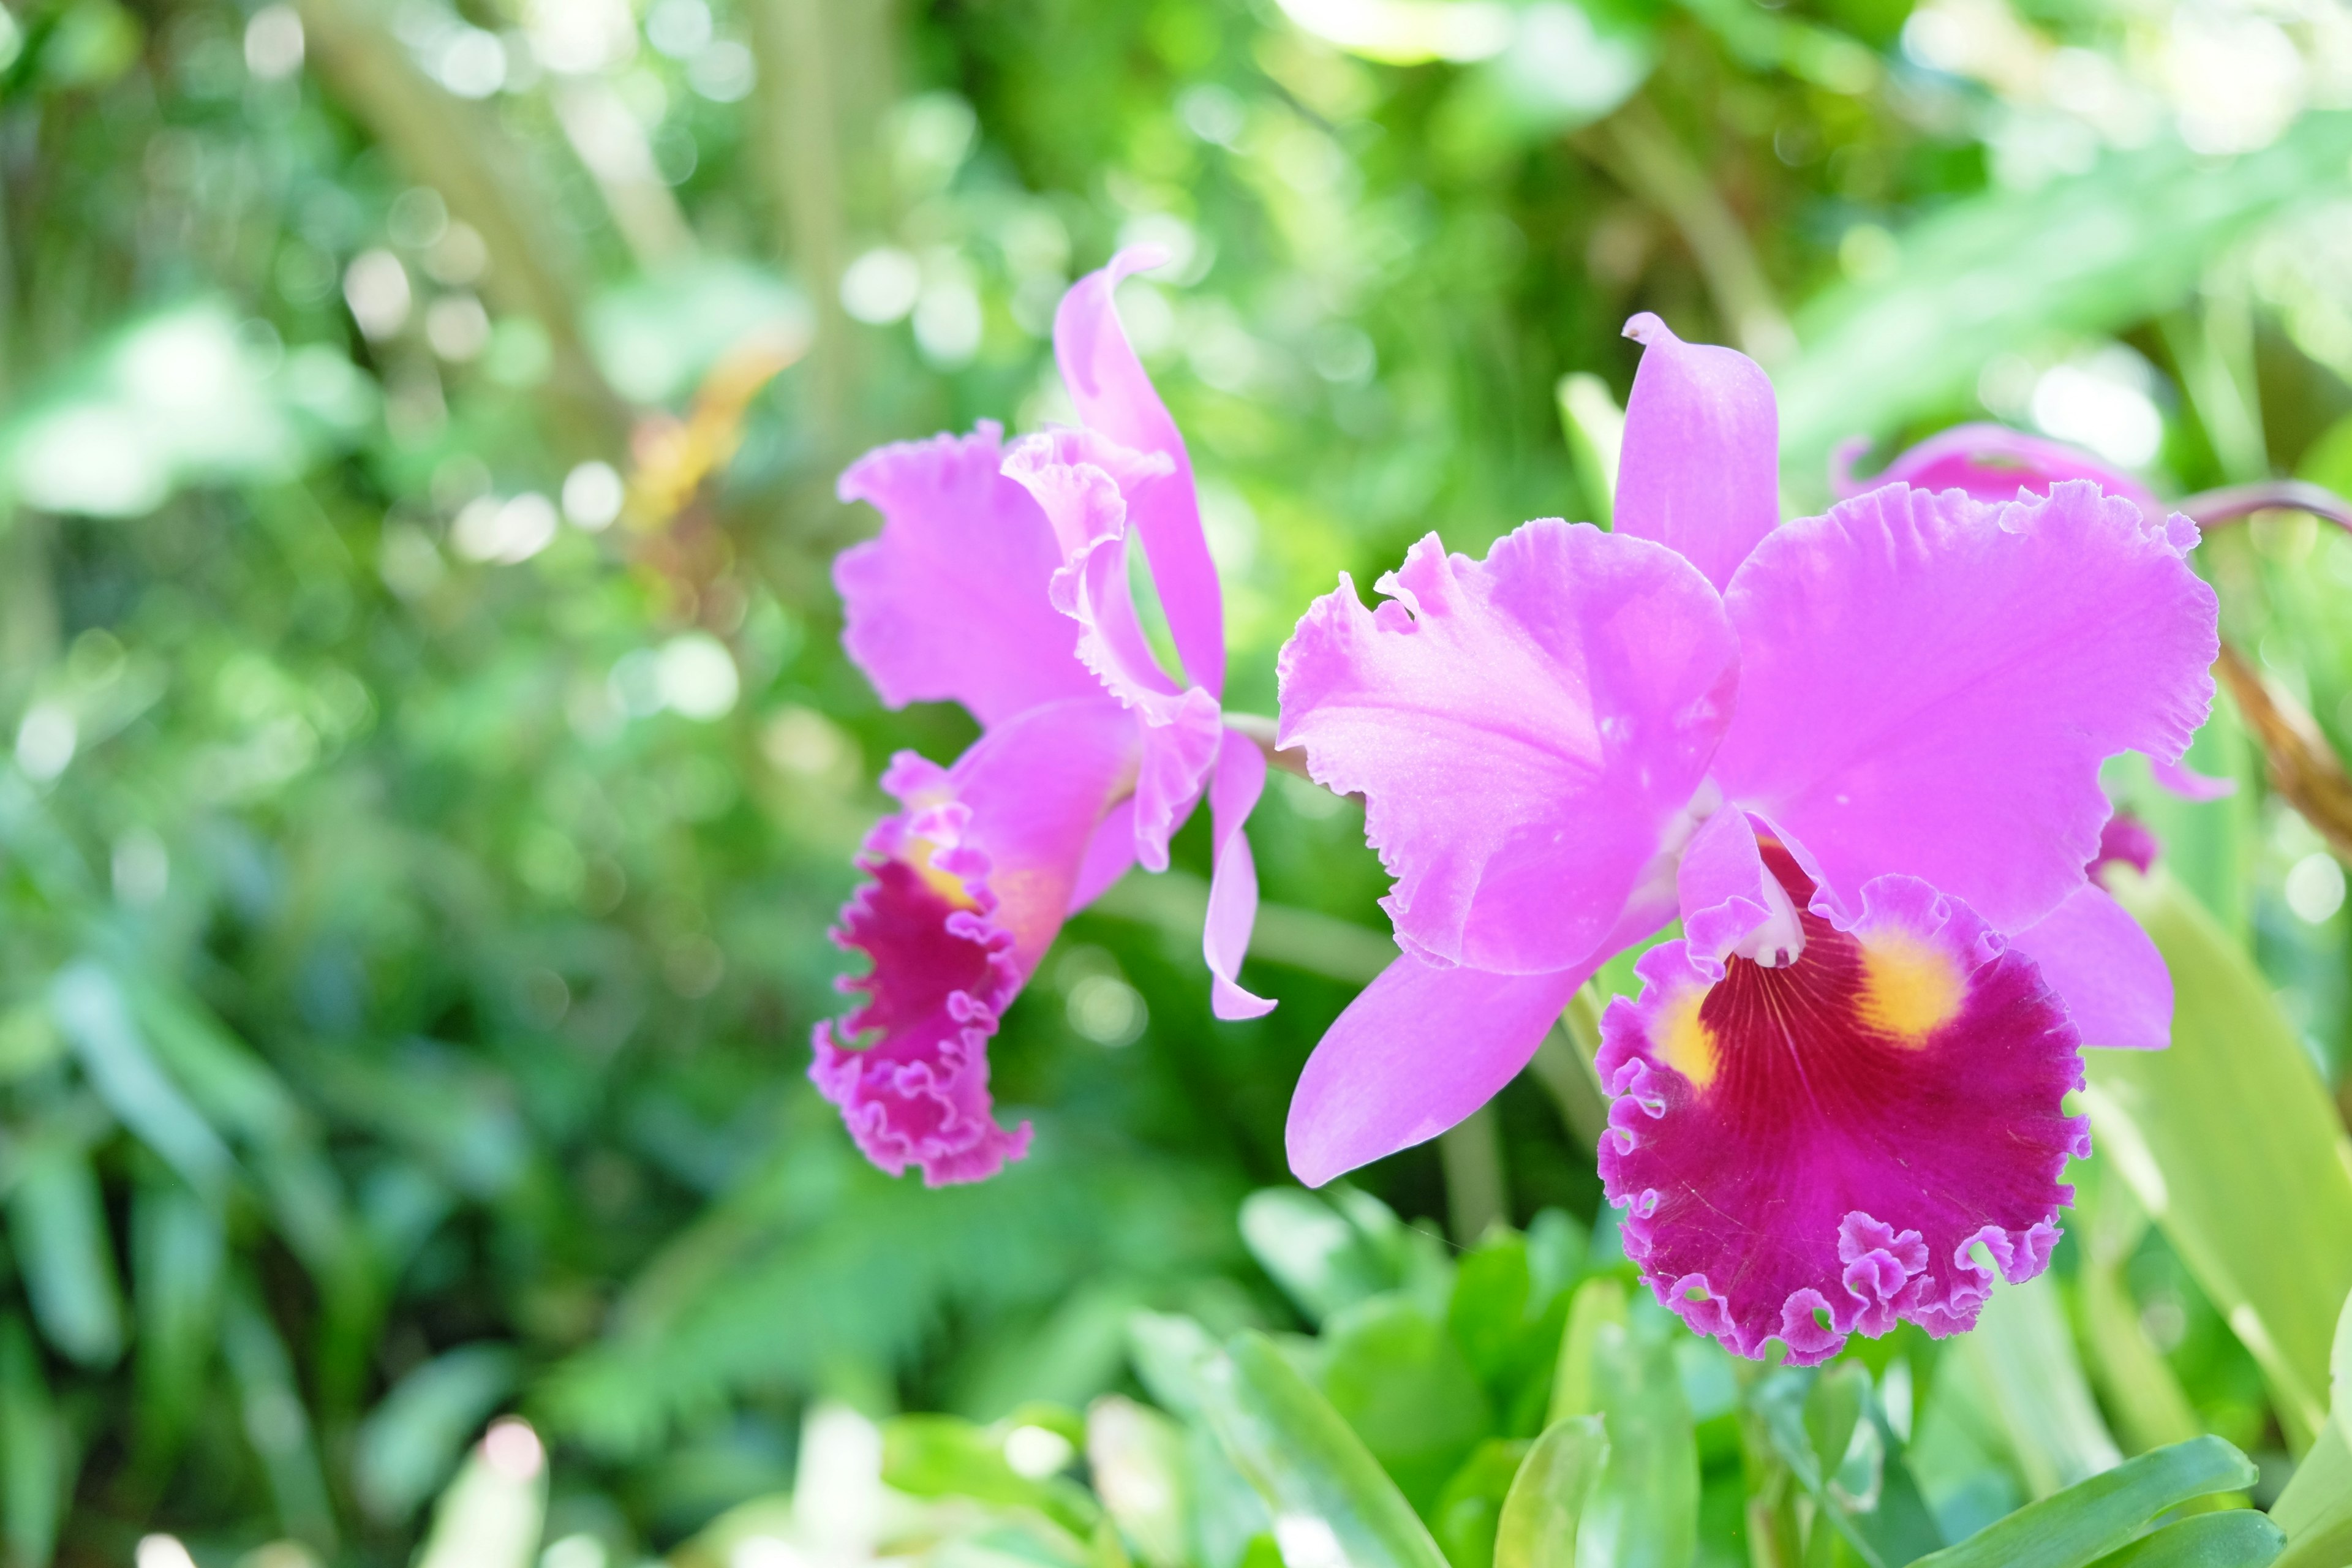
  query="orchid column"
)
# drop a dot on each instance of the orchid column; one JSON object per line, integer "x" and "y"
{"x": 999, "y": 581}
{"x": 1857, "y": 756}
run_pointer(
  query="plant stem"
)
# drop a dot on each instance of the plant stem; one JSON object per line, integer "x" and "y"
{"x": 1477, "y": 1194}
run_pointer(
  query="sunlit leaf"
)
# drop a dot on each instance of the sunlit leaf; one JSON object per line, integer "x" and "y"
{"x": 2093, "y": 1518}
{"x": 1548, "y": 1498}
{"x": 2238, "y": 1538}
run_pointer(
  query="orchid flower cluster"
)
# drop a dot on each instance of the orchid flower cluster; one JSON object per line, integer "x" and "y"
{"x": 1855, "y": 757}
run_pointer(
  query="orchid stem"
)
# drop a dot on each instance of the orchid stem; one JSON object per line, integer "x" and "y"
{"x": 1257, "y": 728}
{"x": 1477, "y": 1194}
{"x": 2235, "y": 503}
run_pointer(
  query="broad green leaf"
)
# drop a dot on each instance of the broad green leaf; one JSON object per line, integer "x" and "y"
{"x": 56, "y": 1224}
{"x": 2006, "y": 269}
{"x": 1397, "y": 1377}
{"x": 36, "y": 1458}
{"x": 946, "y": 1457}
{"x": 492, "y": 1514}
{"x": 177, "y": 1249}
{"x": 2023, "y": 1351}
{"x": 1322, "y": 1261}
{"x": 1644, "y": 1511}
{"x": 1329, "y": 1497}
{"x": 410, "y": 1443}
{"x": 2232, "y": 1143}
{"x": 1547, "y": 1501}
{"x": 90, "y": 1011}
{"x": 1596, "y": 1304}
{"x": 2315, "y": 1509}
{"x": 1136, "y": 1458}
{"x": 2093, "y": 1518}
{"x": 2137, "y": 1384}
{"x": 2238, "y": 1538}
{"x": 1470, "y": 1509}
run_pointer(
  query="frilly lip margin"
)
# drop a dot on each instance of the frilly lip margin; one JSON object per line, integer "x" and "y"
{"x": 876, "y": 1091}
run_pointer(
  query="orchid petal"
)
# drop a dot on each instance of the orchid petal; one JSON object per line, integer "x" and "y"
{"x": 1418, "y": 1051}
{"x": 1233, "y": 794}
{"x": 2180, "y": 779}
{"x": 1116, "y": 397}
{"x": 1108, "y": 856}
{"x": 969, "y": 883}
{"x": 1815, "y": 1150}
{"x": 2113, "y": 981}
{"x": 948, "y": 604}
{"x": 1995, "y": 463}
{"x": 1929, "y": 684}
{"x": 1523, "y": 730}
{"x": 1730, "y": 902}
{"x": 1699, "y": 470}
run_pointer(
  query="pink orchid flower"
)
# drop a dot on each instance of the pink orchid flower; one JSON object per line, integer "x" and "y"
{"x": 1857, "y": 755}
{"x": 999, "y": 581}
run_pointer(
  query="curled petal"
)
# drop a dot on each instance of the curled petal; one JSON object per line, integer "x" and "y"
{"x": 1418, "y": 1051}
{"x": 2180, "y": 779}
{"x": 1995, "y": 463}
{"x": 970, "y": 883}
{"x": 1731, "y": 902}
{"x": 1813, "y": 1150}
{"x": 1700, "y": 471}
{"x": 1233, "y": 884}
{"x": 1084, "y": 482}
{"x": 1929, "y": 684}
{"x": 1523, "y": 730}
{"x": 2113, "y": 979}
{"x": 1115, "y": 398}
{"x": 948, "y": 604}
{"x": 2126, "y": 840}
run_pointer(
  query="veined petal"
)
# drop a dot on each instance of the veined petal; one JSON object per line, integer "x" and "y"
{"x": 1994, "y": 463}
{"x": 1116, "y": 397}
{"x": 948, "y": 604}
{"x": 969, "y": 883}
{"x": 1523, "y": 730}
{"x": 1929, "y": 684}
{"x": 2110, "y": 974}
{"x": 1700, "y": 471}
{"x": 1233, "y": 794}
{"x": 1815, "y": 1151}
{"x": 1084, "y": 482}
{"x": 1418, "y": 1051}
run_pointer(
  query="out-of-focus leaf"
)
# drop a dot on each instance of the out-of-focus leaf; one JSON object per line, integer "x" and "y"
{"x": 1136, "y": 1458}
{"x": 2003, "y": 269}
{"x": 940, "y": 1456}
{"x": 2135, "y": 1380}
{"x": 1547, "y": 1501}
{"x": 1395, "y": 1375}
{"x": 1644, "y": 1511}
{"x": 277, "y": 1423}
{"x": 409, "y": 1444}
{"x": 2231, "y": 1143}
{"x": 655, "y": 337}
{"x": 2024, "y": 1353}
{"x": 492, "y": 1514}
{"x": 1597, "y": 1304}
{"x": 57, "y": 1224}
{"x": 1595, "y": 427}
{"x": 2093, "y": 1518}
{"x": 89, "y": 1009}
{"x": 1330, "y": 1501}
{"x": 2238, "y": 1538}
{"x": 178, "y": 1251}
{"x": 1469, "y": 1510}
{"x": 36, "y": 1461}
{"x": 2315, "y": 1509}
{"x": 1322, "y": 1260}
{"x": 1407, "y": 32}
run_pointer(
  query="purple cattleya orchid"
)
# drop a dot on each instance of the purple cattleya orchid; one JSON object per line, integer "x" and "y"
{"x": 1858, "y": 756}
{"x": 999, "y": 581}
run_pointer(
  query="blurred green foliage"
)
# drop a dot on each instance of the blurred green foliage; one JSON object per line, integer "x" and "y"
{"x": 432, "y": 769}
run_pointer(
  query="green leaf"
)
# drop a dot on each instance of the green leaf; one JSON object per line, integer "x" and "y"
{"x": 2315, "y": 1509}
{"x": 90, "y": 1011}
{"x": 36, "y": 1458}
{"x": 2095, "y": 1516}
{"x": 177, "y": 1249}
{"x": 1644, "y": 1513}
{"x": 2231, "y": 1140}
{"x": 1547, "y": 1501}
{"x": 1323, "y": 1261}
{"x": 1397, "y": 1377}
{"x": 2023, "y": 1351}
{"x": 1596, "y": 1304}
{"x": 409, "y": 1444}
{"x": 1470, "y": 1509}
{"x": 57, "y": 1224}
{"x": 492, "y": 1514}
{"x": 946, "y": 1457}
{"x": 2238, "y": 1538}
{"x": 2003, "y": 270}
{"x": 1136, "y": 1457}
{"x": 1329, "y": 1497}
